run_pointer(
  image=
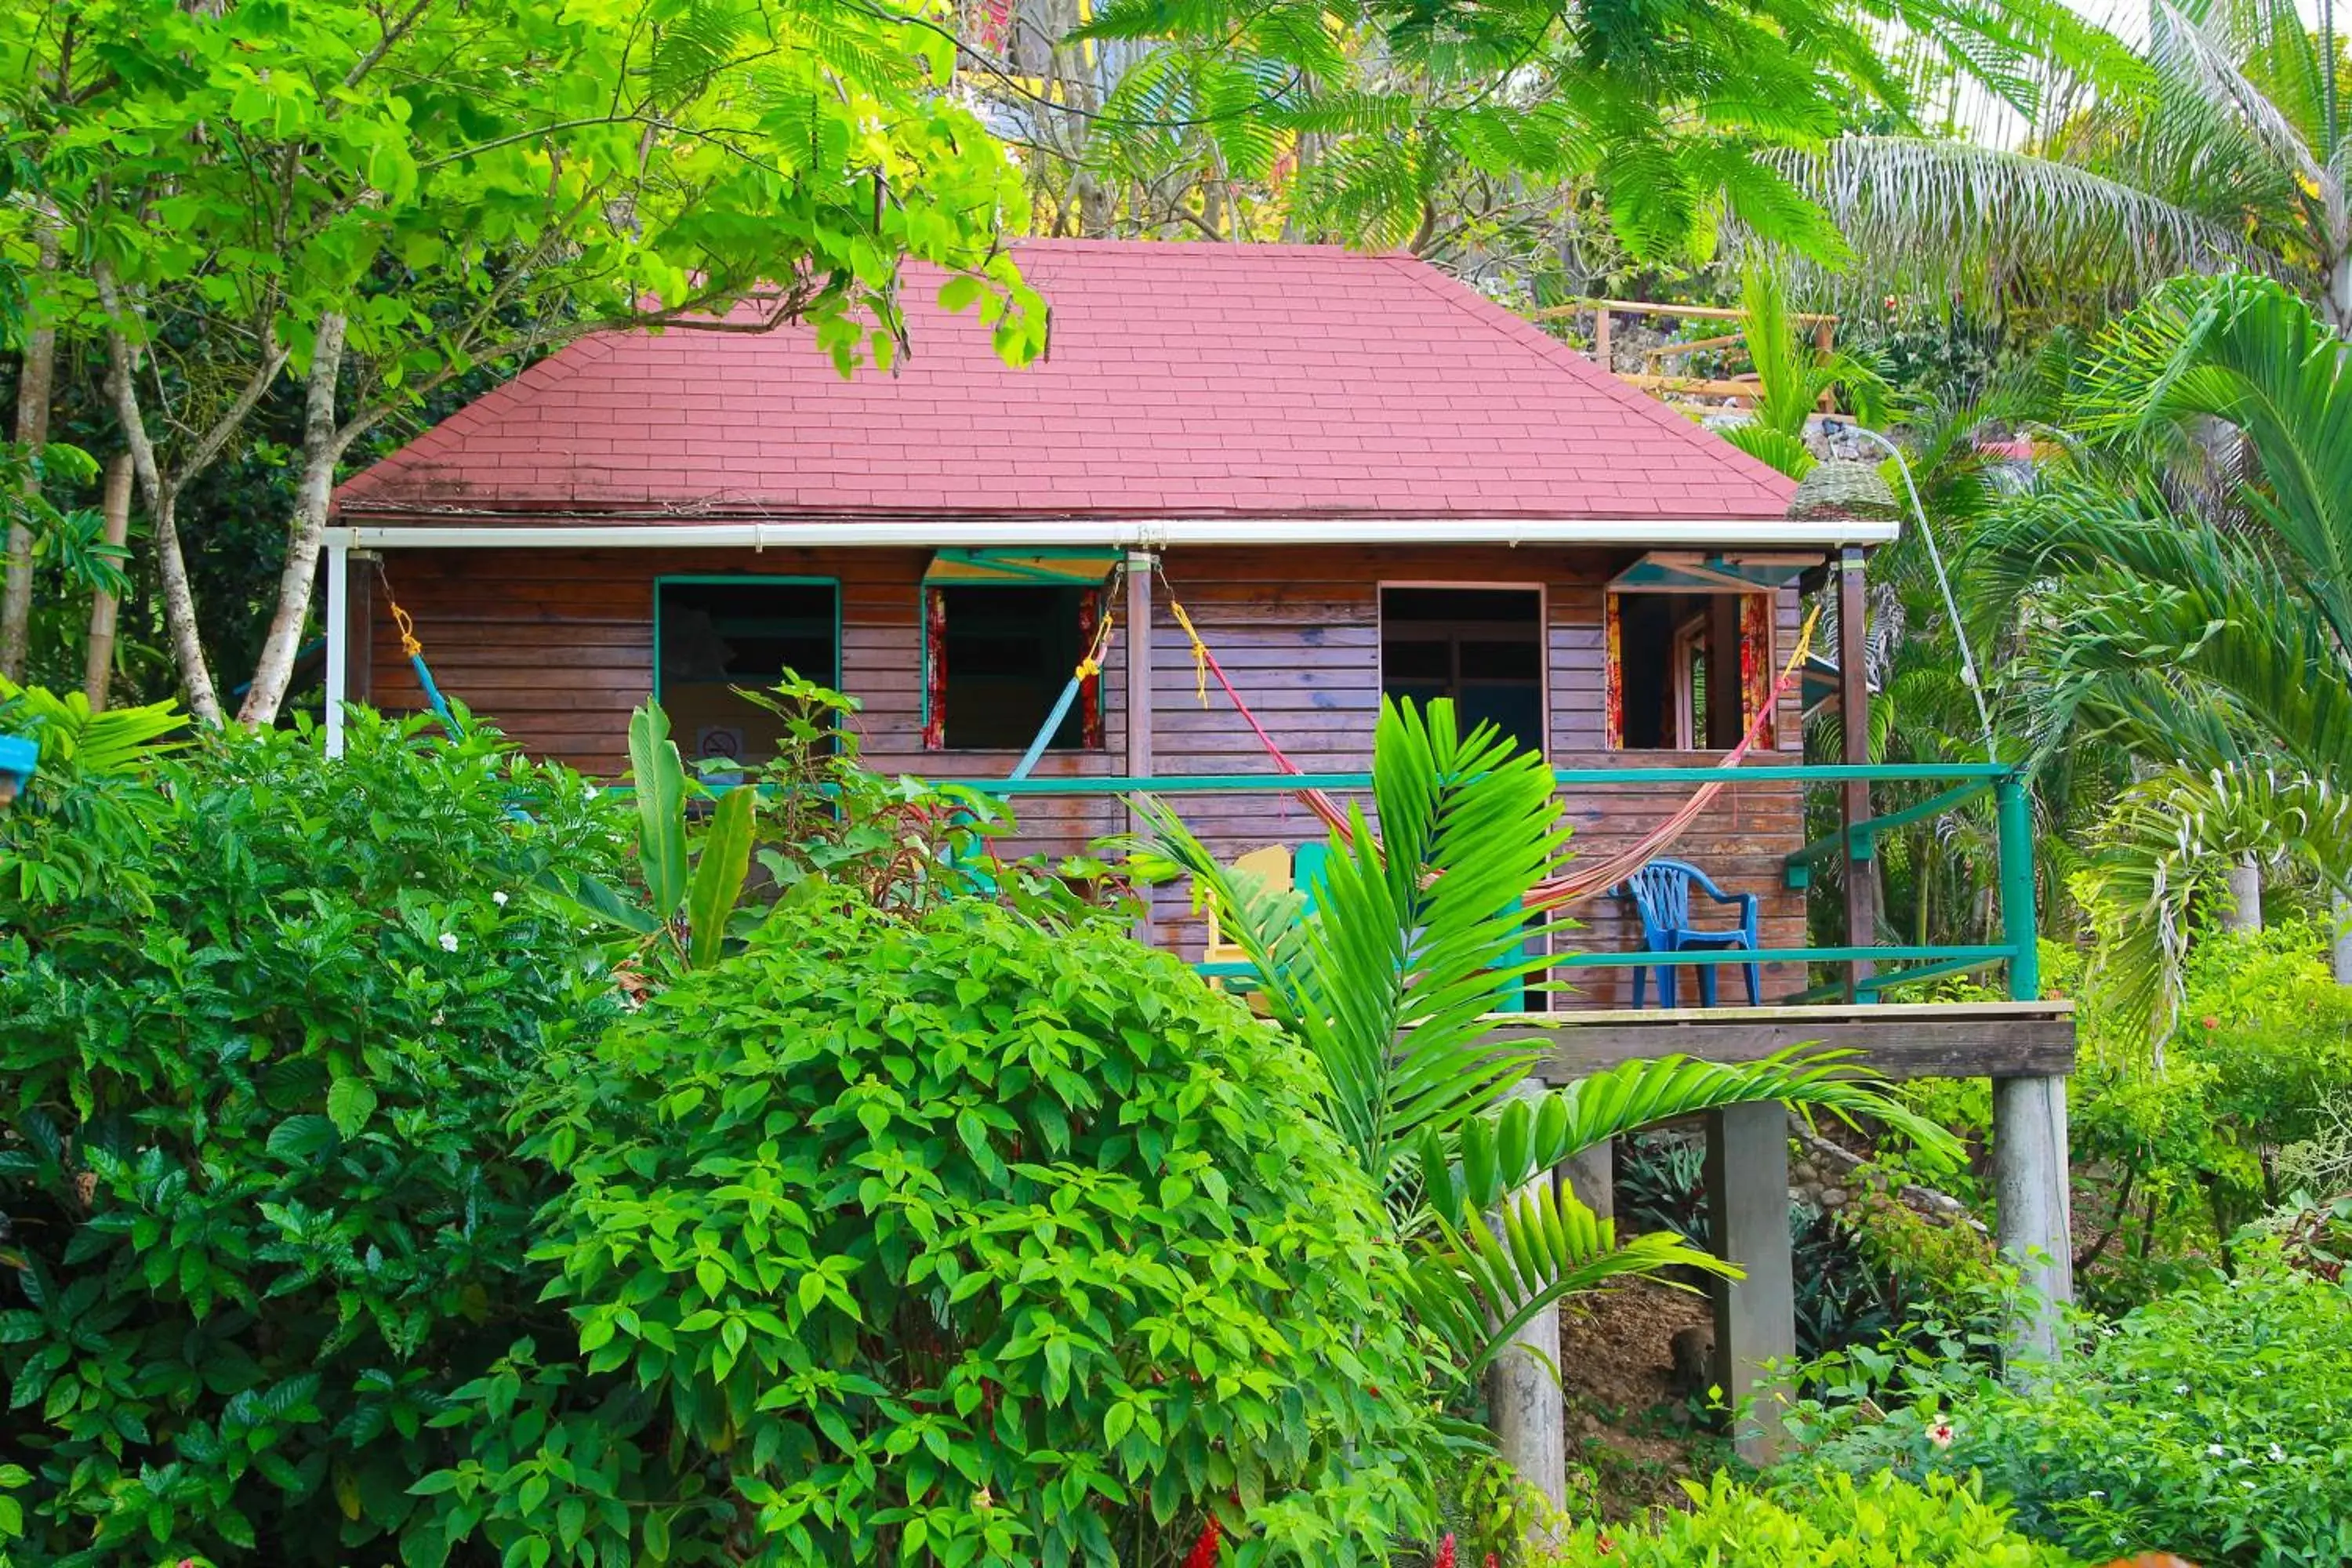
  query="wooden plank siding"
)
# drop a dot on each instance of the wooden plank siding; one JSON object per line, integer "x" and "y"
{"x": 556, "y": 647}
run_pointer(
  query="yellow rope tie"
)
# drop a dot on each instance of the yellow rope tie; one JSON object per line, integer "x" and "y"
{"x": 408, "y": 643}
{"x": 1091, "y": 666}
{"x": 1200, "y": 649}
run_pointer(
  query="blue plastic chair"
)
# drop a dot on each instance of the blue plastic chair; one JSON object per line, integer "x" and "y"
{"x": 1660, "y": 892}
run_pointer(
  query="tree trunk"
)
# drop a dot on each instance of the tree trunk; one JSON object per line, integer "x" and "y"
{"x": 2245, "y": 896}
{"x": 34, "y": 386}
{"x": 98, "y": 657}
{"x": 163, "y": 505}
{"x": 322, "y": 445}
{"x": 2337, "y": 308}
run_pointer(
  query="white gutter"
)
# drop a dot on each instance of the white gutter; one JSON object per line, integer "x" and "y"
{"x": 1139, "y": 533}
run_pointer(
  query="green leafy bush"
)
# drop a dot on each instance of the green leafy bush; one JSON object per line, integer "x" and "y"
{"x": 2184, "y": 1153}
{"x": 261, "y": 1215}
{"x": 1829, "y": 1520}
{"x": 2212, "y": 1423}
{"x": 948, "y": 1233}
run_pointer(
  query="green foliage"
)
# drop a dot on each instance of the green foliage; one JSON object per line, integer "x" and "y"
{"x": 2194, "y": 610}
{"x": 1859, "y": 1272}
{"x": 262, "y": 1217}
{"x": 2188, "y": 1147}
{"x": 70, "y": 544}
{"x": 83, "y": 744}
{"x": 1390, "y": 983}
{"x": 1404, "y": 112}
{"x": 950, "y": 1235}
{"x": 2210, "y": 1422}
{"x": 1793, "y": 377}
{"x": 1827, "y": 1521}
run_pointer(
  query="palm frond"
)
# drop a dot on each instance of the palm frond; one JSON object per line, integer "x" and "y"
{"x": 2169, "y": 838}
{"x": 1490, "y": 1155}
{"x": 1936, "y": 215}
{"x": 1479, "y": 1285}
{"x": 104, "y": 743}
{"x": 1415, "y": 934}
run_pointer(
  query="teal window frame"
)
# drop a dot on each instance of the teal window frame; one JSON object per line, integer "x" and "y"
{"x": 740, "y": 579}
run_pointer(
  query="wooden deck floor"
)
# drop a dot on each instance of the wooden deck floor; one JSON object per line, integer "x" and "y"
{"x": 1901, "y": 1040}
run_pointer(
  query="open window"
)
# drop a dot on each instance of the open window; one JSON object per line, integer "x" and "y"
{"x": 713, "y": 634}
{"x": 1687, "y": 672}
{"x": 996, "y": 659}
{"x": 1483, "y": 648}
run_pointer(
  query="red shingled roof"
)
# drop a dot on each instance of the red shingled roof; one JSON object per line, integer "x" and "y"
{"x": 1181, "y": 381}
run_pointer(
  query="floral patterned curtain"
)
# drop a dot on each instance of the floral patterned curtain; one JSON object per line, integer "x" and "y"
{"x": 1757, "y": 612}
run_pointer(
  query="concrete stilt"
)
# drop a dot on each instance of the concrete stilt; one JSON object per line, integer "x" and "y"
{"x": 1755, "y": 1317}
{"x": 1524, "y": 1399}
{"x": 2343, "y": 945}
{"x": 2030, "y": 1187}
{"x": 1593, "y": 1177}
{"x": 2245, "y": 896}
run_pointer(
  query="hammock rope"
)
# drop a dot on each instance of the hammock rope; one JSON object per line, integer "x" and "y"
{"x": 1089, "y": 666}
{"x": 415, "y": 651}
{"x": 1581, "y": 882}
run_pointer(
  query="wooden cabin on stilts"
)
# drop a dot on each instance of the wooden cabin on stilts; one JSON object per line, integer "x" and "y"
{"x": 1344, "y": 475}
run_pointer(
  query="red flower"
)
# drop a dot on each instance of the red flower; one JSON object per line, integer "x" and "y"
{"x": 1605, "y": 1543}
{"x": 1204, "y": 1549}
{"x": 1445, "y": 1553}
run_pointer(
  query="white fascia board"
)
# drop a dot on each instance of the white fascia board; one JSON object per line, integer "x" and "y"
{"x": 1138, "y": 533}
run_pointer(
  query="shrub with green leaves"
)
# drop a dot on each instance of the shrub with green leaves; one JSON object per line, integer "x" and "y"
{"x": 261, "y": 1215}
{"x": 948, "y": 1236}
{"x": 1829, "y": 1521}
{"x": 2212, "y": 1423}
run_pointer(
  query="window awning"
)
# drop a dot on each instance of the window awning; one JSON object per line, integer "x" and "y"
{"x": 1014, "y": 566}
{"x": 1698, "y": 572}
{"x": 1821, "y": 685}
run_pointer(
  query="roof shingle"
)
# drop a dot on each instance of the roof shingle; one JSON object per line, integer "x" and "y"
{"x": 1181, "y": 380}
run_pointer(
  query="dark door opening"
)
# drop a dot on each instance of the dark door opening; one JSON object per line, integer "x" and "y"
{"x": 1483, "y": 648}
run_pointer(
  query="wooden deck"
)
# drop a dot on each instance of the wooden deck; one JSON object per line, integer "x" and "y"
{"x": 1900, "y": 1041}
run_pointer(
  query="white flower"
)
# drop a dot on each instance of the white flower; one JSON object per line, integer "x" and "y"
{"x": 2095, "y": 1492}
{"x": 448, "y": 941}
{"x": 500, "y": 899}
{"x": 2179, "y": 1388}
{"x": 2278, "y": 1455}
{"x": 2214, "y": 1450}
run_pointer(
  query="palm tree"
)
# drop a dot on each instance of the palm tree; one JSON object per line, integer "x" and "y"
{"x": 2190, "y": 597}
{"x": 2224, "y": 145}
{"x": 1793, "y": 376}
{"x": 1390, "y": 984}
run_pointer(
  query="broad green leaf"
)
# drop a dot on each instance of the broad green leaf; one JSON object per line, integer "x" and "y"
{"x": 657, "y": 779}
{"x": 719, "y": 875}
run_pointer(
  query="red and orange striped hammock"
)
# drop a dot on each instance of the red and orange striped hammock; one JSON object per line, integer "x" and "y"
{"x": 1582, "y": 880}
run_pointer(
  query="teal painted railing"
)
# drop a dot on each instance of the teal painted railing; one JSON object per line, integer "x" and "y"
{"x": 2016, "y": 951}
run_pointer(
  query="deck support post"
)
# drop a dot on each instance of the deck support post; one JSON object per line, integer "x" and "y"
{"x": 2030, "y": 1193}
{"x": 1139, "y": 566}
{"x": 1590, "y": 1174}
{"x": 339, "y": 642}
{"x": 1524, "y": 1398}
{"x": 1755, "y": 1317}
{"x": 1853, "y": 720}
